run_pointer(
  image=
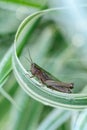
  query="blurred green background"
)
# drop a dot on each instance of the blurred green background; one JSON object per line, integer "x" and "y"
{"x": 57, "y": 43}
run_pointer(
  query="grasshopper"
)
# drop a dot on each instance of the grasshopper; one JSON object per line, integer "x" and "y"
{"x": 47, "y": 79}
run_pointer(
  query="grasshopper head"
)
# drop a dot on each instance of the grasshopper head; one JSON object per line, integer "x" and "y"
{"x": 33, "y": 69}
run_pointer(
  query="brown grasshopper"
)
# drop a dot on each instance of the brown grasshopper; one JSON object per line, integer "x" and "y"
{"x": 47, "y": 79}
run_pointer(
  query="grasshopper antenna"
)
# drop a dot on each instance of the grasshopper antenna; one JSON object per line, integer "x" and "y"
{"x": 30, "y": 56}
{"x": 27, "y": 59}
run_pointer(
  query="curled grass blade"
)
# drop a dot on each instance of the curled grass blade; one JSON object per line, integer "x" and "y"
{"x": 31, "y": 86}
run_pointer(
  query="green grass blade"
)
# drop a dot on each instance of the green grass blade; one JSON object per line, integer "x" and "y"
{"x": 54, "y": 120}
{"x": 36, "y": 4}
{"x": 7, "y": 96}
{"x": 79, "y": 122}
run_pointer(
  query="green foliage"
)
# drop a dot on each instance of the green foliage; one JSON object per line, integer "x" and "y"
{"x": 57, "y": 44}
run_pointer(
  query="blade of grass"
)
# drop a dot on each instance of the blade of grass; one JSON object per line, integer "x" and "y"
{"x": 7, "y": 96}
{"x": 54, "y": 120}
{"x": 79, "y": 122}
{"x": 36, "y": 4}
